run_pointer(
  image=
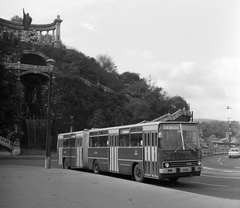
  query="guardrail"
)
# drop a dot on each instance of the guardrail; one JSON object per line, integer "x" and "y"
{"x": 208, "y": 152}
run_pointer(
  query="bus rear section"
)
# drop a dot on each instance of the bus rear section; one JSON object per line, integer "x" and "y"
{"x": 70, "y": 149}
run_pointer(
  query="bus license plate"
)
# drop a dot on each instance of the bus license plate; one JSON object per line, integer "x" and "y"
{"x": 185, "y": 169}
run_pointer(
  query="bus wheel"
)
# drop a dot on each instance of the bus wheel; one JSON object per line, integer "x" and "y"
{"x": 174, "y": 179}
{"x": 66, "y": 164}
{"x": 96, "y": 168}
{"x": 138, "y": 173}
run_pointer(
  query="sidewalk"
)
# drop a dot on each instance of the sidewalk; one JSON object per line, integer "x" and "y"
{"x": 37, "y": 187}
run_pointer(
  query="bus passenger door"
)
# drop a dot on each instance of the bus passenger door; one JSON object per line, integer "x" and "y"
{"x": 85, "y": 145}
{"x": 113, "y": 157}
{"x": 59, "y": 152}
{"x": 150, "y": 154}
{"x": 79, "y": 156}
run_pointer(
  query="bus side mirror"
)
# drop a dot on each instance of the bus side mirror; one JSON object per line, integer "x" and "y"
{"x": 160, "y": 140}
{"x": 160, "y": 135}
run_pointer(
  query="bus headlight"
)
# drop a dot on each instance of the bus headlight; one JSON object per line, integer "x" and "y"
{"x": 166, "y": 165}
{"x": 199, "y": 163}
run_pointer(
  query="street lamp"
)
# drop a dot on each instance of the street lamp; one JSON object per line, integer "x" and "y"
{"x": 230, "y": 128}
{"x": 50, "y": 63}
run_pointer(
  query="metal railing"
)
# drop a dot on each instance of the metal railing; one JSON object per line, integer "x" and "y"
{"x": 208, "y": 152}
{"x": 6, "y": 142}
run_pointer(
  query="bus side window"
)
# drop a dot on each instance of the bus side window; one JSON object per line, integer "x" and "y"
{"x": 93, "y": 141}
{"x": 136, "y": 140}
{"x": 65, "y": 142}
{"x": 103, "y": 141}
{"x": 124, "y": 140}
{"x": 72, "y": 142}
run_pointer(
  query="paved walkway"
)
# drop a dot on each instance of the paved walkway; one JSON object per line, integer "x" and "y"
{"x": 37, "y": 187}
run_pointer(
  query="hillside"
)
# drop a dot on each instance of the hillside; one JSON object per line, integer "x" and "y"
{"x": 86, "y": 93}
{"x": 200, "y": 120}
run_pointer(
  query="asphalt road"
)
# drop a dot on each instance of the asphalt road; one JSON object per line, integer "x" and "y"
{"x": 218, "y": 186}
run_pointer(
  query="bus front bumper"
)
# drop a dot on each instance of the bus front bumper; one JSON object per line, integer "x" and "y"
{"x": 189, "y": 170}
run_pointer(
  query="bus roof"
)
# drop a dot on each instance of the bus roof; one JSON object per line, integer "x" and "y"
{"x": 144, "y": 125}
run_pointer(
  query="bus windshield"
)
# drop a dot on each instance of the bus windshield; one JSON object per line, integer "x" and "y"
{"x": 178, "y": 137}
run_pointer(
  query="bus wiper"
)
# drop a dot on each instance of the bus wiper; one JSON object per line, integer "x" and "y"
{"x": 177, "y": 148}
{"x": 190, "y": 147}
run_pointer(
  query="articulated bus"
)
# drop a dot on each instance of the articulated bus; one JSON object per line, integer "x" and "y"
{"x": 159, "y": 150}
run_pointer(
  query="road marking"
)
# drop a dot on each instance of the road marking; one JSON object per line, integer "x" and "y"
{"x": 220, "y": 170}
{"x": 219, "y": 161}
{"x": 210, "y": 184}
{"x": 226, "y": 177}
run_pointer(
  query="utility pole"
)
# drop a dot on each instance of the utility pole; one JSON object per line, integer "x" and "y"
{"x": 71, "y": 124}
{"x": 49, "y": 117}
{"x": 230, "y": 126}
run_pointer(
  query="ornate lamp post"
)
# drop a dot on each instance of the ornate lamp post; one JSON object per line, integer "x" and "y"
{"x": 50, "y": 63}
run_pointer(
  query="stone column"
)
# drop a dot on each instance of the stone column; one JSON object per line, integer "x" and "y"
{"x": 57, "y": 37}
{"x": 16, "y": 148}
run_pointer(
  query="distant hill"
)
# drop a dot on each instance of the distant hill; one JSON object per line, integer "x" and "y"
{"x": 200, "y": 120}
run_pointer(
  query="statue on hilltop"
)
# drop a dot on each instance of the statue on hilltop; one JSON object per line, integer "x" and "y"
{"x": 27, "y": 20}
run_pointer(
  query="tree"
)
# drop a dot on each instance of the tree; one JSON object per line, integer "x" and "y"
{"x": 107, "y": 63}
{"x": 175, "y": 103}
{"x": 11, "y": 93}
{"x": 17, "y": 19}
{"x": 128, "y": 78}
{"x": 218, "y": 128}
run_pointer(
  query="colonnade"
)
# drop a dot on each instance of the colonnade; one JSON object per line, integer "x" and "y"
{"x": 48, "y": 34}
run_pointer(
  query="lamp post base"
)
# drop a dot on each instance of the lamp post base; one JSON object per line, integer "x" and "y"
{"x": 47, "y": 162}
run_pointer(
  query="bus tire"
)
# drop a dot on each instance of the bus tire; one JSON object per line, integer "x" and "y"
{"x": 66, "y": 164}
{"x": 96, "y": 168}
{"x": 138, "y": 173}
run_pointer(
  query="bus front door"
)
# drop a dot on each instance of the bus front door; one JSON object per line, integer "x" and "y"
{"x": 150, "y": 154}
{"x": 113, "y": 151}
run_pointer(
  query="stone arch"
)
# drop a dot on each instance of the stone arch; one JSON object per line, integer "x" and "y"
{"x": 34, "y": 80}
{"x": 34, "y": 58}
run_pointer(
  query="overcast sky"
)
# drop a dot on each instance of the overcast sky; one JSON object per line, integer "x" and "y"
{"x": 191, "y": 48}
